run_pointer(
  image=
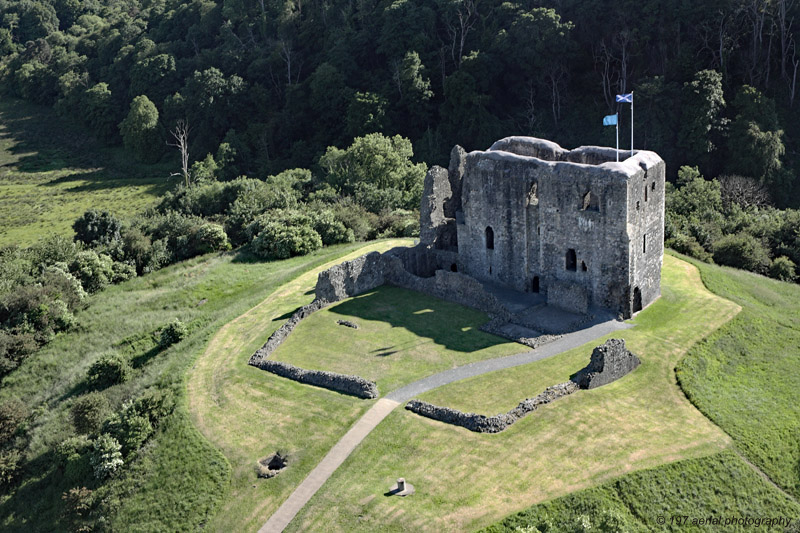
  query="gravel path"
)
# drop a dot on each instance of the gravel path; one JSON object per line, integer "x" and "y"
{"x": 342, "y": 449}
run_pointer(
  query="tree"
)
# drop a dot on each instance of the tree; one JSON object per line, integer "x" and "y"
{"x": 378, "y": 170}
{"x": 109, "y": 370}
{"x": 99, "y": 112}
{"x": 95, "y": 228}
{"x": 756, "y": 140}
{"x": 140, "y": 131}
{"x": 701, "y": 115}
{"x": 180, "y": 135}
{"x": 88, "y": 412}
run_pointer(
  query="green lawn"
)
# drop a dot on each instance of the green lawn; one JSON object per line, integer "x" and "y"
{"x": 466, "y": 480}
{"x": 52, "y": 171}
{"x": 402, "y": 336}
{"x": 177, "y": 479}
{"x": 721, "y": 486}
{"x": 746, "y": 376}
{"x": 248, "y": 413}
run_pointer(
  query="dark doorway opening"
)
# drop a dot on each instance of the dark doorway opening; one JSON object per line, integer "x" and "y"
{"x": 454, "y": 268}
{"x": 637, "y": 300}
{"x": 489, "y": 238}
{"x": 571, "y": 260}
{"x": 535, "y": 284}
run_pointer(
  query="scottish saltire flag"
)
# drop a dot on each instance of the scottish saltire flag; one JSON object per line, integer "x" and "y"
{"x": 625, "y": 98}
{"x": 610, "y": 120}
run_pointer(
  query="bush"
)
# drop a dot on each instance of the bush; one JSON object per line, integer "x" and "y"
{"x": 73, "y": 456}
{"x": 276, "y": 241}
{"x": 78, "y": 502}
{"x": 94, "y": 271}
{"x": 173, "y": 332}
{"x": 95, "y": 228}
{"x": 122, "y": 272}
{"x": 130, "y": 429}
{"x": 107, "y": 371}
{"x": 12, "y": 413}
{"x": 211, "y": 238}
{"x": 398, "y": 223}
{"x": 88, "y": 412}
{"x": 742, "y": 251}
{"x": 145, "y": 254}
{"x": 9, "y": 466}
{"x": 330, "y": 229}
{"x": 106, "y": 457}
{"x": 155, "y": 404}
{"x": 783, "y": 268}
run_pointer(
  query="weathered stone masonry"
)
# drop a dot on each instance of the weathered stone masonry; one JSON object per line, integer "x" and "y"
{"x": 608, "y": 363}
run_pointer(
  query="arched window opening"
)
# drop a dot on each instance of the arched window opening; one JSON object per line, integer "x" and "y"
{"x": 644, "y": 243}
{"x": 645, "y": 193}
{"x": 637, "y": 300}
{"x": 454, "y": 268}
{"x": 533, "y": 194}
{"x": 572, "y": 260}
{"x": 591, "y": 202}
{"x": 535, "y": 284}
{"x": 489, "y": 238}
{"x": 583, "y": 266}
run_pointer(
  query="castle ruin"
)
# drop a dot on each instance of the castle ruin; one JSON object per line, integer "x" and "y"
{"x": 575, "y": 226}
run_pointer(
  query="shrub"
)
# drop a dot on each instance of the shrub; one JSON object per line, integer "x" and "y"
{"x": 78, "y": 502}
{"x": 155, "y": 404}
{"x": 783, "y": 268}
{"x": 130, "y": 429}
{"x": 276, "y": 241}
{"x": 107, "y": 371}
{"x": 94, "y": 228}
{"x": 88, "y": 412}
{"x": 106, "y": 457}
{"x": 12, "y": 413}
{"x": 330, "y": 229}
{"x": 94, "y": 271}
{"x": 145, "y": 254}
{"x": 122, "y": 272}
{"x": 53, "y": 249}
{"x": 211, "y": 238}
{"x": 59, "y": 280}
{"x": 173, "y": 332}
{"x": 742, "y": 251}
{"x": 398, "y": 223}
{"x": 73, "y": 456}
{"x": 9, "y": 466}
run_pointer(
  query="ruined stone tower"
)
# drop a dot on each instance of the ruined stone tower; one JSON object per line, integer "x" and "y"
{"x": 573, "y": 225}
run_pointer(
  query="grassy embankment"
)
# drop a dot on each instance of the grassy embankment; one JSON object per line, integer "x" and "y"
{"x": 52, "y": 171}
{"x": 743, "y": 377}
{"x": 466, "y": 480}
{"x": 174, "y": 483}
{"x": 248, "y": 413}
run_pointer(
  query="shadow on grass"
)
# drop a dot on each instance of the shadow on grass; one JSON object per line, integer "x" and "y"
{"x": 42, "y": 141}
{"x": 37, "y": 505}
{"x": 142, "y": 359}
{"x": 447, "y": 324}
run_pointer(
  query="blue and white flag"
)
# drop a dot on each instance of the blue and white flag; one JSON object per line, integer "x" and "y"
{"x": 610, "y": 120}
{"x": 625, "y": 98}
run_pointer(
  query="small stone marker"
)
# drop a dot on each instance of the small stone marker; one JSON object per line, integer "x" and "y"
{"x": 347, "y": 323}
{"x": 401, "y": 488}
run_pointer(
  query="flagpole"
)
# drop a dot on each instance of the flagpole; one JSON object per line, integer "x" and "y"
{"x": 617, "y": 127}
{"x": 631, "y": 123}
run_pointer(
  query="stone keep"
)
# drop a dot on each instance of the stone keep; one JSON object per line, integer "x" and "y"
{"x": 574, "y": 225}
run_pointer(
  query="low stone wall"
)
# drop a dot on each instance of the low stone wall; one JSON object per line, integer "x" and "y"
{"x": 568, "y": 296}
{"x": 346, "y": 384}
{"x": 491, "y": 424}
{"x": 350, "y": 278}
{"x": 608, "y": 363}
{"x": 280, "y": 334}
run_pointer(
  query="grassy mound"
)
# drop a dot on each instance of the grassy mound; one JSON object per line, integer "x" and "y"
{"x": 745, "y": 376}
{"x": 721, "y": 486}
{"x": 175, "y": 482}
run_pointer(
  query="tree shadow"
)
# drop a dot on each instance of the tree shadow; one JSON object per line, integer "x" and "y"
{"x": 142, "y": 359}
{"x": 444, "y": 323}
{"x": 41, "y": 141}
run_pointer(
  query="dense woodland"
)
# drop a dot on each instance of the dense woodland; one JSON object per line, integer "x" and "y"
{"x": 267, "y": 85}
